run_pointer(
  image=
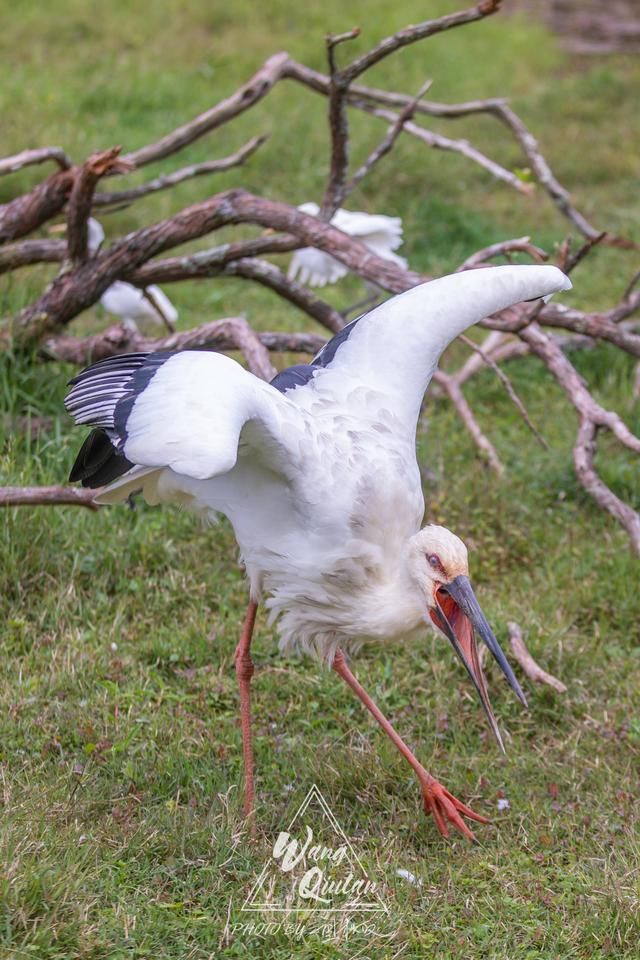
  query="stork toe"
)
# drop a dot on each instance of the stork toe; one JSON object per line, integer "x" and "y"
{"x": 447, "y": 810}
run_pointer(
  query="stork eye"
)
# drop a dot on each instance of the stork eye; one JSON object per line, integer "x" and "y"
{"x": 434, "y": 561}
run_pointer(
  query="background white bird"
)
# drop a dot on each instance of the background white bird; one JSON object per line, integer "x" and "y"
{"x": 96, "y": 235}
{"x": 135, "y": 309}
{"x": 317, "y": 473}
{"x": 381, "y": 234}
{"x": 129, "y": 303}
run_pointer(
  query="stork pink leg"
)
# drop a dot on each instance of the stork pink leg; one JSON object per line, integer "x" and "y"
{"x": 244, "y": 672}
{"x": 437, "y": 800}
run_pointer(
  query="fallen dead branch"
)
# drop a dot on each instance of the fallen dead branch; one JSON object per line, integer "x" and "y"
{"x": 221, "y": 335}
{"x": 21, "y": 216}
{"x": 243, "y": 99}
{"x": 169, "y": 180}
{"x": 593, "y": 417}
{"x": 95, "y": 167}
{"x": 386, "y": 144}
{"x": 438, "y": 141}
{"x": 507, "y": 384}
{"x": 29, "y": 157}
{"x": 455, "y": 394}
{"x": 27, "y": 252}
{"x": 46, "y": 496}
{"x": 531, "y": 669}
{"x": 504, "y": 248}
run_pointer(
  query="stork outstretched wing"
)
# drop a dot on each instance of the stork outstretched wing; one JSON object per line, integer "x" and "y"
{"x": 394, "y": 350}
{"x": 185, "y": 411}
{"x": 328, "y": 427}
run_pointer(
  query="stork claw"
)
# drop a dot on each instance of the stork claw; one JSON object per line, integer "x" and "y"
{"x": 445, "y": 808}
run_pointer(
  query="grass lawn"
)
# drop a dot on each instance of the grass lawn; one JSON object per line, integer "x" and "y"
{"x": 120, "y": 756}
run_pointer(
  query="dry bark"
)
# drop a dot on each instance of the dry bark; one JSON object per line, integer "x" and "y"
{"x": 21, "y": 216}
{"x": 27, "y": 252}
{"x": 169, "y": 180}
{"x": 27, "y": 158}
{"x": 592, "y": 418}
{"x": 73, "y": 291}
{"x": 464, "y": 411}
{"x": 243, "y": 99}
{"x": 531, "y": 669}
{"x": 32, "y": 496}
{"x": 215, "y": 335}
{"x": 386, "y": 144}
{"x": 86, "y": 179}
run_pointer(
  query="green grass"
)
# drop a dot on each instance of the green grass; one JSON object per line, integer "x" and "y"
{"x": 120, "y": 750}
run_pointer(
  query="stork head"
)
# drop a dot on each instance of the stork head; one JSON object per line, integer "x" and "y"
{"x": 438, "y": 564}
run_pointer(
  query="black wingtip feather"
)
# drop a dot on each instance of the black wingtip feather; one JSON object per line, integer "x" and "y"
{"x": 98, "y": 462}
{"x": 124, "y": 361}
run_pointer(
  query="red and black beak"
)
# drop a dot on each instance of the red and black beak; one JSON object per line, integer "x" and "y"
{"x": 458, "y": 615}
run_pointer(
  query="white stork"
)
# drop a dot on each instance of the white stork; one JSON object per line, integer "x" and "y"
{"x": 317, "y": 473}
{"x": 133, "y": 306}
{"x": 381, "y": 234}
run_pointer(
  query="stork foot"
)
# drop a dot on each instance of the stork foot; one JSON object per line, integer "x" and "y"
{"x": 446, "y": 809}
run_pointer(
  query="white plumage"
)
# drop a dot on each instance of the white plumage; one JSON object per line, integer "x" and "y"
{"x": 95, "y": 237}
{"x": 381, "y": 234}
{"x": 318, "y": 475}
{"x": 127, "y": 302}
{"x": 320, "y": 481}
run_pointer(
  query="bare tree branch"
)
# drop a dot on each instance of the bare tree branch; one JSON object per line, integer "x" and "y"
{"x": 46, "y": 496}
{"x": 592, "y": 418}
{"x": 28, "y": 252}
{"x": 245, "y": 97}
{"x": 74, "y": 291}
{"x": 269, "y": 276}
{"x": 230, "y": 333}
{"x": 338, "y": 128}
{"x": 567, "y": 261}
{"x": 464, "y": 411}
{"x": 497, "y": 107}
{"x": 29, "y": 157}
{"x": 340, "y": 81}
{"x": 475, "y": 361}
{"x": 531, "y": 669}
{"x": 627, "y": 296}
{"x": 95, "y": 167}
{"x": 253, "y": 350}
{"x": 24, "y": 214}
{"x": 507, "y": 384}
{"x": 583, "y": 454}
{"x": 528, "y": 143}
{"x": 504, "y": 248}
{"x": 169, "y": 180}
{"x": 207, "y": 263}
{"x": 157, "y": 306}
{"x": 439, "y": 142}
{"x": 387, "y": 142}
{"x": 414, "y": 33}
{"x": 214, "y": 335}
{"x": 597, "y": 325}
